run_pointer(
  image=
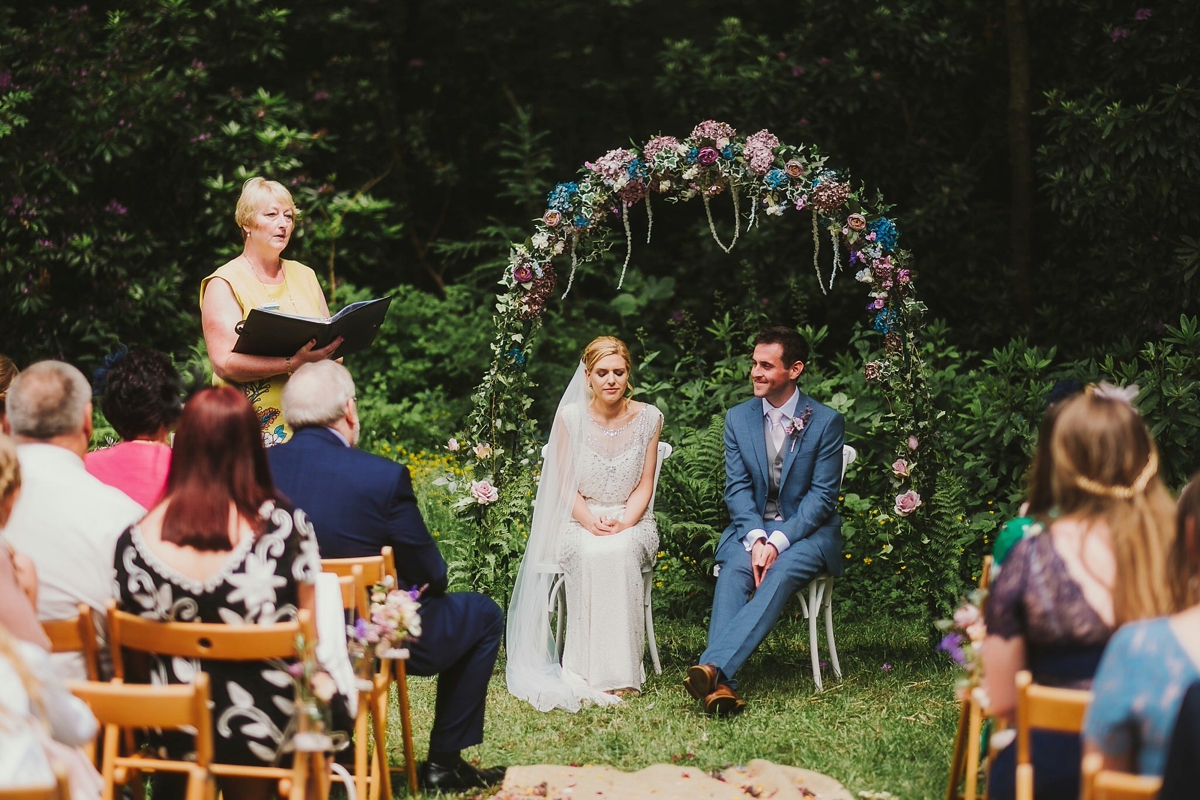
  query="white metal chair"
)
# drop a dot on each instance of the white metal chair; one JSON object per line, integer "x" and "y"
{"x": 820, "y": 598}
{"x": 556, "y": 602}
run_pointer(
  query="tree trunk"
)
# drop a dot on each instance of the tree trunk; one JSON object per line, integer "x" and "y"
{"x": 1020, "y": 152}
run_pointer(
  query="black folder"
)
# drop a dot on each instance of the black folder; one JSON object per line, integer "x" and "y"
{"x": 273, "y": 333}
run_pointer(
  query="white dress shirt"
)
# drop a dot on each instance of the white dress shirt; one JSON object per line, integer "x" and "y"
{"x": 67, "y": 522}
{"x": 776, "y": 536}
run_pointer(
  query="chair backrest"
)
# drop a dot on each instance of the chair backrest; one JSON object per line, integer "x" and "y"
{"x": 1043, "y": 708}
{"x": 1103, "y": 784}
{"x": 373, "y": 567}
{"x": 203, "y": 639}
{"x": 59, "y": 790}
{"x": 354, "y": 592}
{"x": 122, "y": 705}
{"x": 849, "y": 456}
{"x": 76, "y": 634}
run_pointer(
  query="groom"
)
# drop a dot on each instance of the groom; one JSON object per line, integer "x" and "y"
{"x": 783, "y": 467}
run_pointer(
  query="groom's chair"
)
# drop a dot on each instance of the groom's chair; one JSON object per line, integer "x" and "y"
{"x": 820, "y": 598}
{"x": 556, "y": 605}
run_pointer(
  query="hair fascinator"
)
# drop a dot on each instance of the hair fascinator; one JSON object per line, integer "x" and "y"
{"x": 1125, "y": 394}
{"x": 100, "y": 376}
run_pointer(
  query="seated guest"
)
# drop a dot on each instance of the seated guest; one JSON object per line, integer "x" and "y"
{"x": 141, "y": 397}
{"x": 18, "y": 577}
{"x": 358, "y": 503}
{"x": 1098, "y": 565}
{"x": 8, "y": 372}
{"x": 1182, "y": 772}
{"x": 1038, "y": 508}
{"x": 1148, "y": 665}
{"x": 65, "y": 521}
{"x": 34, "y": 703}
{"x": 221, "y": 547}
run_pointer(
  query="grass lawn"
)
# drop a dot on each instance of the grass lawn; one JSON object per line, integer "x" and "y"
{"x": 879, "y": 729}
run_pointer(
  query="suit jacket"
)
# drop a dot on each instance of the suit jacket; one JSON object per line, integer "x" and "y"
{"x": 809, "y": 485}
{"x": 358, "y": 503}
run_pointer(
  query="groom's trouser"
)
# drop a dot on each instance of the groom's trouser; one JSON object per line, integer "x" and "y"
{"x": 742, "y": 616}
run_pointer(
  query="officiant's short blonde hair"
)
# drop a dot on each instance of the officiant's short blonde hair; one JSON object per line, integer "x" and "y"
{"x": 603, "y": 347}
{"x": 256, "y": 193}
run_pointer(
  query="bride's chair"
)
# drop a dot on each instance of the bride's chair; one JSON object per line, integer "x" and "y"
{"x": 820, "y": 598}
{"x": 556, "y": 605}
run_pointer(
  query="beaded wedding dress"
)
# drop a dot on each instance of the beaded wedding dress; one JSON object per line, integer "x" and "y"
{"x": 605, "y": 633}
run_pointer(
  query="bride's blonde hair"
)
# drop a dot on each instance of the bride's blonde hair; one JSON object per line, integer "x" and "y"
{"x": 603, "y": 347}
{"x": 1106, "y": 468}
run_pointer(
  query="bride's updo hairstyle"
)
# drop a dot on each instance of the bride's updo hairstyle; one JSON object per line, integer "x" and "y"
{"x": 1106, "y": 468}
{"x": 603, "y": 347}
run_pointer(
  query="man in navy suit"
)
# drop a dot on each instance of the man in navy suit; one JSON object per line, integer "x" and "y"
{"x": 783, "y": 468}
{"x": 358, "y": 503}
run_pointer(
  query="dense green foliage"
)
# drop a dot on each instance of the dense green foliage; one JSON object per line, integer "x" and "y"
{"x": 420, "y": 139}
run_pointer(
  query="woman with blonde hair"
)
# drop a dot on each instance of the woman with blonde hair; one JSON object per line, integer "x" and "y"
{"x": 1099, "y": 564}
{"x": 18, "y": 576}
{"x": 593, "y": 520}
{"x": 261, "y": 278}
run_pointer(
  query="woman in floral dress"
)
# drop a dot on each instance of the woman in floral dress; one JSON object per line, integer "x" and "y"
{"x": 221, "y": 547}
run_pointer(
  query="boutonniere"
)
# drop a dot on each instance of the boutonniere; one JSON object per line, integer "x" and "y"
{"x": 795, "y": 426}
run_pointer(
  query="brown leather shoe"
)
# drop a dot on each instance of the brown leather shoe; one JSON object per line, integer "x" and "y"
{"x": 724, "y": 702}
{"x": 701, "y": 680}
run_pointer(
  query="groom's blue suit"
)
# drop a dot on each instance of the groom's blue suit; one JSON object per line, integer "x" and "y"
{"x": 808, "y": 490}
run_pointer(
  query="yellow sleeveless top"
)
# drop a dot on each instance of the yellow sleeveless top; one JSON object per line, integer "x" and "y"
{"x": 298, "y": 294}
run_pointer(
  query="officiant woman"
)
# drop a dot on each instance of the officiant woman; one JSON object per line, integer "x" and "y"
{"x": 261, "y": 278}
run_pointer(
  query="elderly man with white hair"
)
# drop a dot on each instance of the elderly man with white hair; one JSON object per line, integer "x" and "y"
{"x": 358, "y": 503}
{"x": 65, "y": 521}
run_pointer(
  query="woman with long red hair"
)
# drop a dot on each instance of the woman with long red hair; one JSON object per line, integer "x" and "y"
{"x": 222, "y": 546}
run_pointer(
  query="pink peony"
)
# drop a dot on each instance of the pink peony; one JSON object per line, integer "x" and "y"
{"x": 900, "y": 468}
{"x": 966, "y": 616}
{"x": 760, "y": 151}
{"x": 452, "y": 445}
{"x": 907, "y": 503}
{"x": 484, "y": 492}
{"x": 522, "y": 273}
{"x": 913, "y": 444}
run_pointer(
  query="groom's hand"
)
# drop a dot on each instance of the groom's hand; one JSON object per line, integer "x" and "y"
{"x": 762, "y": 556}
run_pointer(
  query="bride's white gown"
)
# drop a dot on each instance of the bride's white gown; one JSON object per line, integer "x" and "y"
{"x": 605, "y": 632}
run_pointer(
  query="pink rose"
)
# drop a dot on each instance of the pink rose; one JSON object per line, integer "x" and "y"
{"x": 484, "y": 493}
{"x": 856, "y": 222}
{"x": 900, "y": 468}
{"x": 907, "y": 503}
{"x": 482, "y": 450}
{"x": 966, "y": 616}
{"x": 552, "y": 218}
{"x": 913, "y": 444}
{"x": 452, "y": 445}
{"x": 794, "y": 169}
{"x": 707, "y": 156}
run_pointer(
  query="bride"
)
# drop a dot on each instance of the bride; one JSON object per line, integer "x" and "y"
{"x": 590, "y": 519}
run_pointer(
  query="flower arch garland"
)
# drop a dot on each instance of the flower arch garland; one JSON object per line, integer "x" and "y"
{"x": 763, "y": 177}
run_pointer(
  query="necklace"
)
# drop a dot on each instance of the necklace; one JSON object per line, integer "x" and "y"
{"x": 612, "y": 432}
{"x": 285, "y": 284}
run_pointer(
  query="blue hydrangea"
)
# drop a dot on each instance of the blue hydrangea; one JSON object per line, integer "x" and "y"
{"x": 636, "y": 169}
{"x": 581, "y": 221}
{"x": 693, "y": 155}
{"x": 516, "y": 356}
{"x": 776, "y": 178}
{"x": 825, "y": 175}
{"x": 728, "y": 152}
{"x": 560, "y": 196}
{"x": 885, "y": 233}
{"x": 886, "y": 321}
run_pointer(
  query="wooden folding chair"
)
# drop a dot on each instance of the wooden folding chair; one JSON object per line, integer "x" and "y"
{"x": 59, "y": 790}
{"x": 1103, "y": 784}
{"x": 964, "y": 765}
{"x": 76, "y": 634}
{"x": 119, "y": 706}
{"x": 354, "y": 599}
{"x": 218, "y": 642}
{"x": 374, "y": 569}
{"x": 1043, "y": 708}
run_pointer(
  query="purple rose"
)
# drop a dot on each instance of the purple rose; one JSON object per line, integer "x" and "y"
{"x": 707, "y": 156}
{"x": 522, "y": 273}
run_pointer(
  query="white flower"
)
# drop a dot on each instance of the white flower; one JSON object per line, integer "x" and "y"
{"x": 559, "y": 247}
{"x": 682, "y": 149}
{"x": 663, "y": 185}
{"x": 775, "y": 211}
{"x": 452, "y": 445}
{"x": 256, "y": 586}
{"x": 864, "y": 276}
{"x": 690, "y": 173}
{"x": 540, "y": 240}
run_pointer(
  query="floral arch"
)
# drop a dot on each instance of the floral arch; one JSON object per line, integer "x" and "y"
{"x": 764, "y": 178}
